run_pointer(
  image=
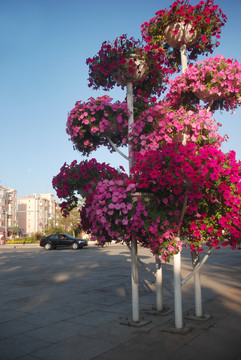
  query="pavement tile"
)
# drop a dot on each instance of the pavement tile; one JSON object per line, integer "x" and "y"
{"x": 15, "y": 327}
{"x": 95, "y": 318}
{"x": 112, "y": 332}
{"x": 74, "y": 348}
{"x": 28, "y": 357}
{"x": 20, "y": 346}
{"x": 58, "y": 332}
{"x": 47, "y": 317}
{"x": 8, "y": 314}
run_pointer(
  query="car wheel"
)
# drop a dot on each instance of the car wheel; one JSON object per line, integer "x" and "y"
{"x": 48, "y": 246}
{"x": 75, "y": 246}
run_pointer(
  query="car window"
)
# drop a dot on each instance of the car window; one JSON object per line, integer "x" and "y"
{"x": 52, "y": 236}
{"x": 61, "y": 236}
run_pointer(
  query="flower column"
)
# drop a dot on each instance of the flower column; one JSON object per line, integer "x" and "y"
{"x": 177, "y": 41}
{"x": 179, "y": 36}
{"x": 177, "y": 257}
{"x": 128, "y": 80}
{"x": 134, "y": 259}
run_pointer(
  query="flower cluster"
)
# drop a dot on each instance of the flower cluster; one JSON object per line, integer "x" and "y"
{"x": 109, "y": 211}
{"x": 202, "y": 183}
{"x": 90, "y": 122}
{"x": 127, "y": 60}
{"x": 218, "y": 212}
{"x": 182, "y": 187}
{"x": 181, "y": 192}
{"x": 195, "y": 26}
{"x": 161, "y": 124}
{"x": 81, "y": 179}
{"x": 116, "y": 211}
{"x": 111, "y": 58}
{"x": 214, "y": 79}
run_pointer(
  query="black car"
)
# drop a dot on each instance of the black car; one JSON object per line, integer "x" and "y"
{"x": 52, "y": 241}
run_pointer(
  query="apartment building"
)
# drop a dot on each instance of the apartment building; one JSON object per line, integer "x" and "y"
{"x": 8, "y": 212}
{"x": 35, "y": 213}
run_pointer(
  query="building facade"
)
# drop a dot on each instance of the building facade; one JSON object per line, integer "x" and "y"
{"x": 35, "y": 213}
{"x": 8, "y": 212}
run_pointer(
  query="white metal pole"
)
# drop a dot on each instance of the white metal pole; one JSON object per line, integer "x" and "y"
{"x": 177, "y": 290}
{"x": 197, "y": 286}
{"x": 183, "y": 57}
{"x": 159, "y": 302}
{"x": 177, "y": 257}
{"x": 134, "y": 282}
{"x": 134, "y": 258}
{"x": 197, "y": 282}
{"x": 129, "y": 98}
{"x": 198, "y": 294}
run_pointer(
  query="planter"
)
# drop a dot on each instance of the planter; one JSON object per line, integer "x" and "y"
{"x": 122, "y": 78}
{"x": 180, "y": 137}
{"x": 84, "y": 193}
{"x": 146, "y": 196}
{"x": 183, "y": 35}
{"x": 204, "y": 95}
{"x": 112, "y": 130}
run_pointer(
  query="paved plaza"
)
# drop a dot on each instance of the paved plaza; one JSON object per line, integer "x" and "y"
{"x": 69, "y": 305}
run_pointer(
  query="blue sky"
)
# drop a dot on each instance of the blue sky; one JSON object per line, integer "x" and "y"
{"x": 44, "y": 45}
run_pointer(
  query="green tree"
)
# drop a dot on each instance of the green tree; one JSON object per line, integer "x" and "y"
{"x": 69, "y": 224}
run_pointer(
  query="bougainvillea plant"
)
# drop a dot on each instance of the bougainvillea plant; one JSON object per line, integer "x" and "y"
{"x": 89, "y": 123}
{"x": 214, "y": 79}
{"x": 202, "y": 24}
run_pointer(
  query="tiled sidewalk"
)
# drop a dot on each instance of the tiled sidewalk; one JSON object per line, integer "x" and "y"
{"x": 69, "y": 305}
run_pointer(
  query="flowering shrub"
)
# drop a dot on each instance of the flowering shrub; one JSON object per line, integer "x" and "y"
{"x": 161, "y": 124}
{"x": 215, "y": 79}
{"x": 81, "y": 179}
{"x": 128, "y": 60}
{"x": 90, "y": 122}
{"x": 203, "y": 20}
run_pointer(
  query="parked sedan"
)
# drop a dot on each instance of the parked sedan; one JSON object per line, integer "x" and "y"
{"x": 52, "y": 241}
